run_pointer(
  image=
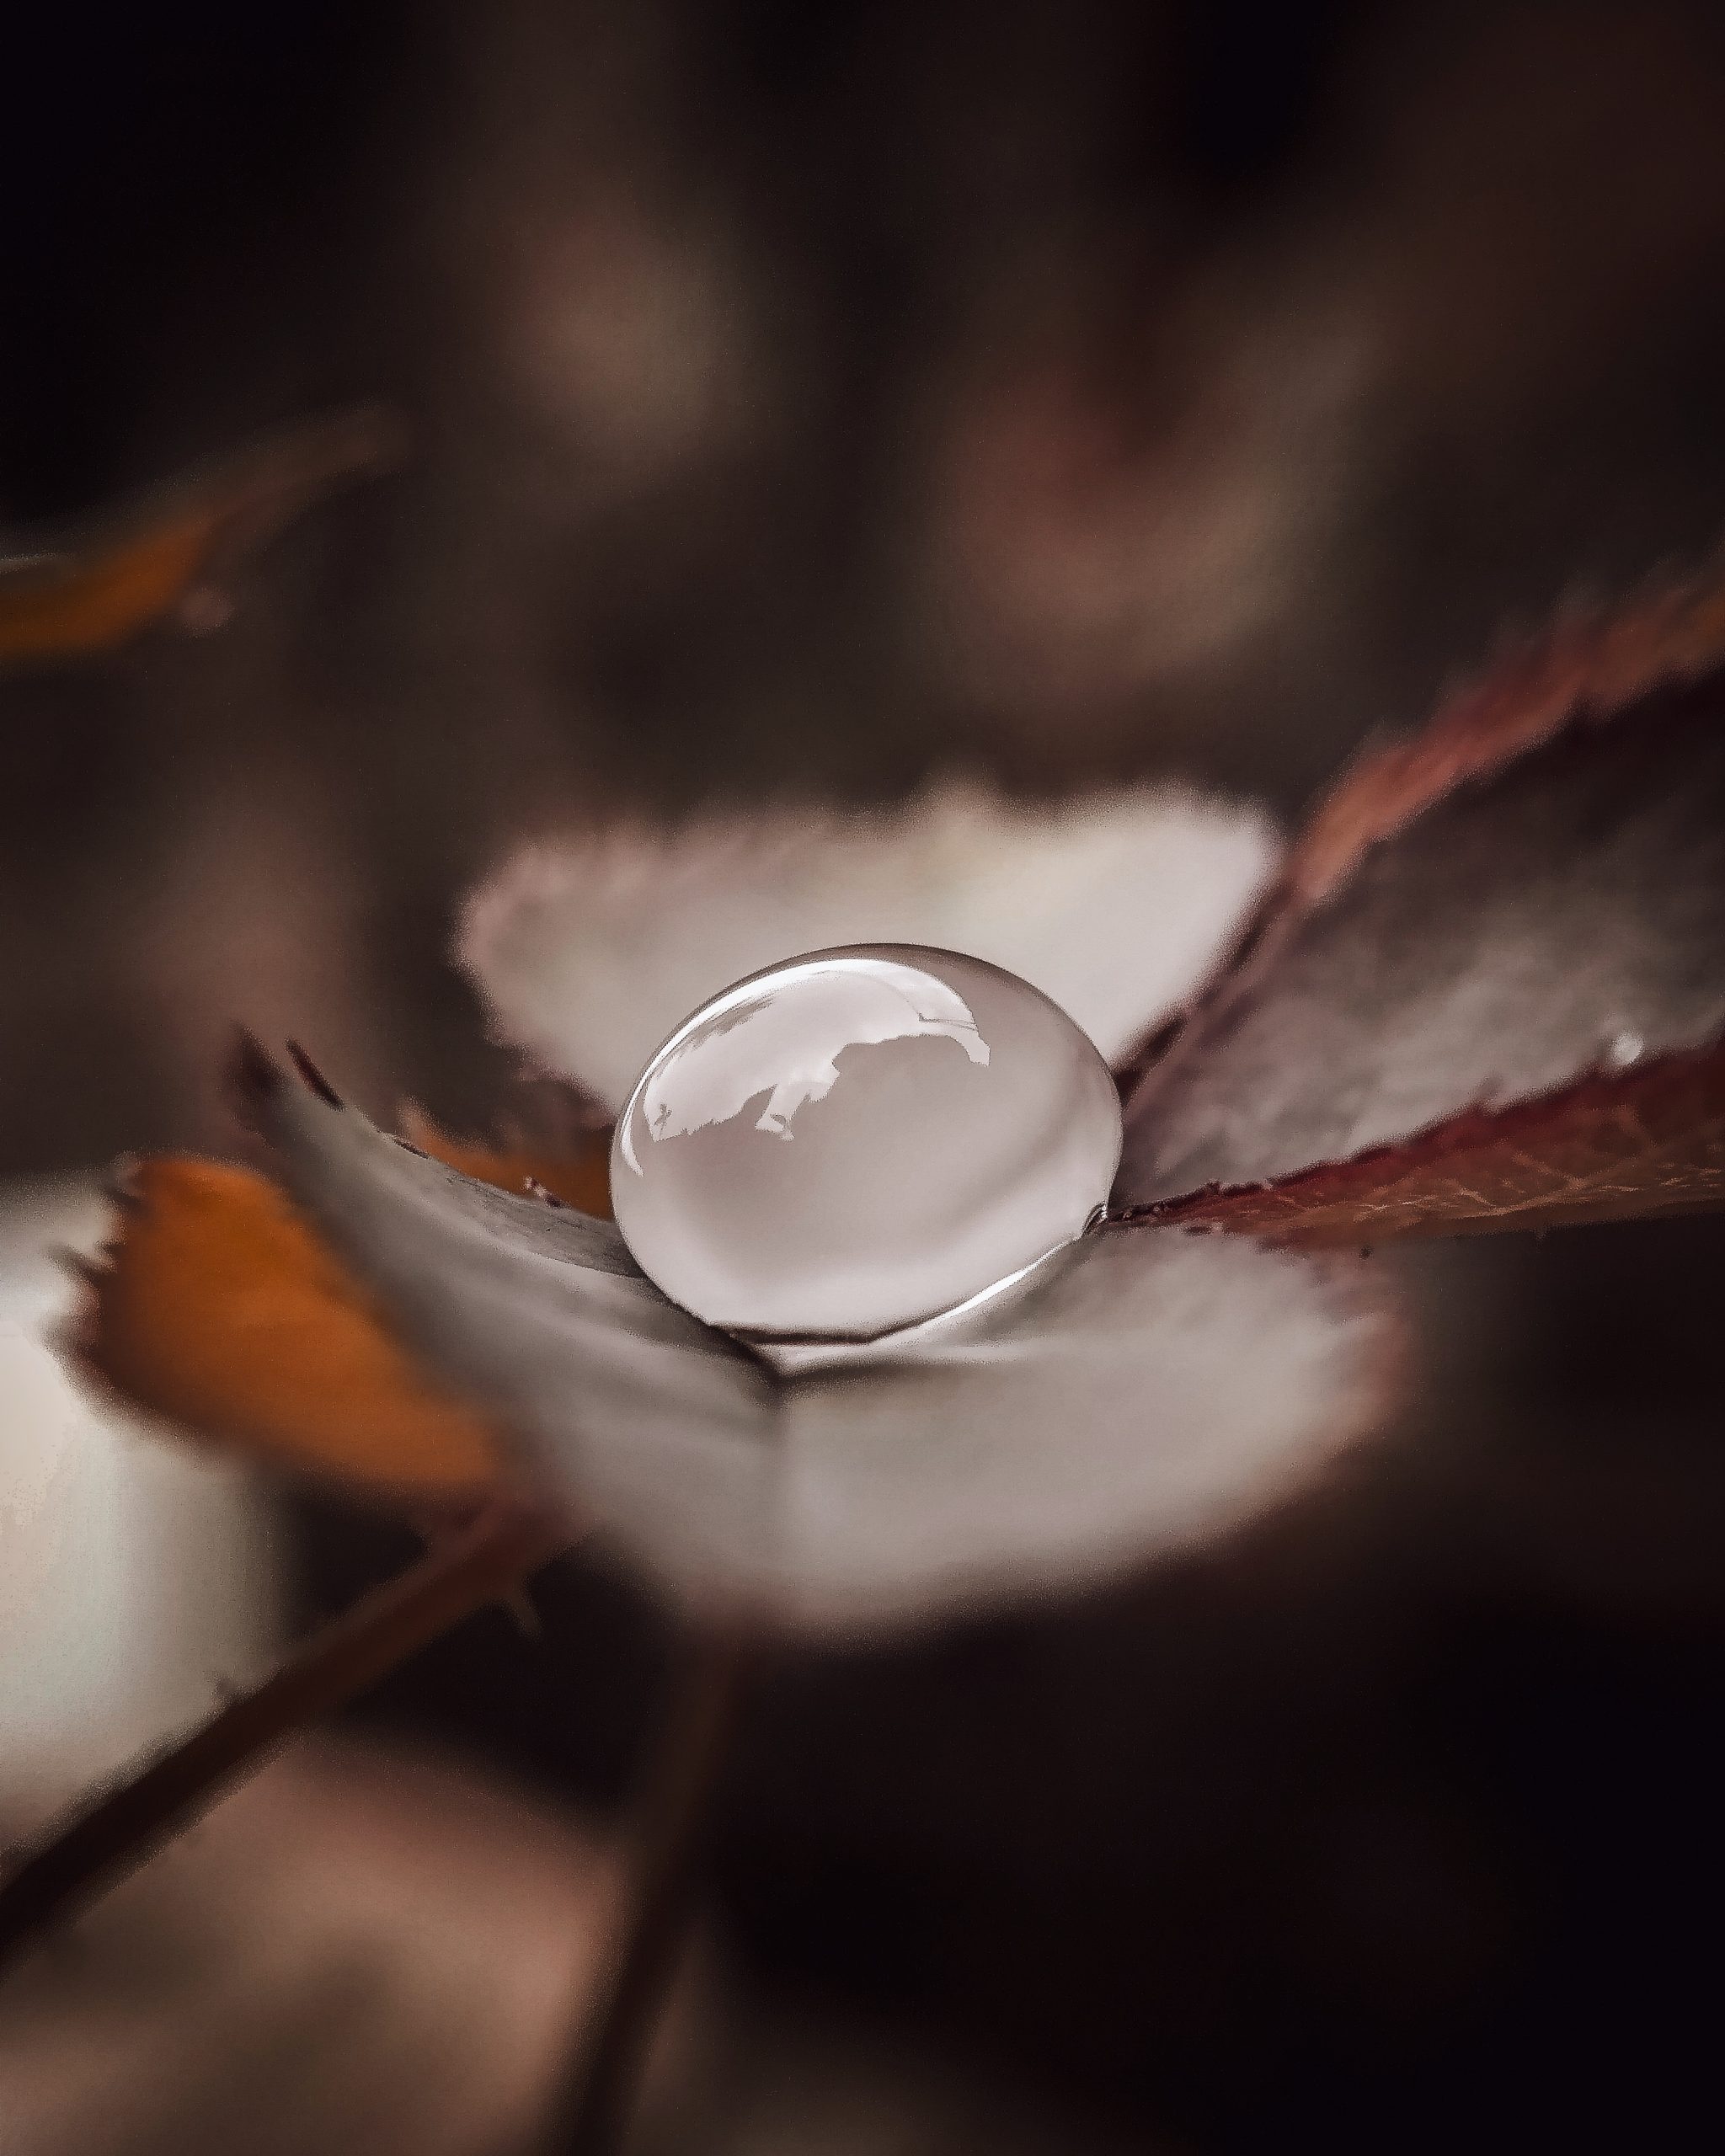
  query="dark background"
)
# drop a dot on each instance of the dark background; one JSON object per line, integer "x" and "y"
{"x": 805, "y": 399}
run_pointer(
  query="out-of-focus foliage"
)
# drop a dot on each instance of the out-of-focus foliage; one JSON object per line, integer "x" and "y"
{"x": 133, "y": 1576}
{"x": 802, "y": 404}
{"x": 66, "y": 595}
{"x": 364, "y": 1950}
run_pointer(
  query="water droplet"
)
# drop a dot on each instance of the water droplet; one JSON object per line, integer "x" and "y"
{"x": 1627, "y": 1049}
{"x": 859, "y": 1139}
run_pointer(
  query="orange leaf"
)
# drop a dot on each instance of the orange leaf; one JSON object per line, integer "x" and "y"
{"x": 108, "y": 580}
{"x": 1609, "y": 1147}
{"x": 222, "y": 1312}
{"x": 579, "y": 1173}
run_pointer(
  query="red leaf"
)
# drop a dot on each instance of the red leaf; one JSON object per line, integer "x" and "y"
{"x": 1651, "y": 1140}
{"x": 1586, "y": 670}
{"x": 1528, "y": 895}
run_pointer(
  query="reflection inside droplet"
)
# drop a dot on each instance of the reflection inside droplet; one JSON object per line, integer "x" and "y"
{"x": 859, "y": 1138}
{"x": 784, "y": 1036}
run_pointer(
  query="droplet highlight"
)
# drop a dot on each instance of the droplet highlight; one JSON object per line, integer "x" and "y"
{"x": 1625, "y": 1048}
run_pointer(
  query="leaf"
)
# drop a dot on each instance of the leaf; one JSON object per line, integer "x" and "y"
{"x": 1585, "y": 669}
{"x": 1139, "y": 1393}
{"x": 221, "y": 1311}
{"x": 579, "y": 1173}
{"x": 590, "y": 952}
{"x": 532, "y": 1310}
{"x": 103, "y": 582}
{"x": 1621, "y": 1148}
{"x": 1529, "y": 895}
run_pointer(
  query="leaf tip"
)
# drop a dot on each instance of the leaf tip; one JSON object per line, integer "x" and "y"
{"x": 121, "y": 1186}
{"x": 313, "y": 1077}
{"x": 79, "y": 1264}
{"x": 252, "y": 1078}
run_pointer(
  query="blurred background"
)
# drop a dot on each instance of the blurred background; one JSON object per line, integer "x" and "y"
{"x": 807, "y": 401}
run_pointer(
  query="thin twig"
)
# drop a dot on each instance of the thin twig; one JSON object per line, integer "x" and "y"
{"x": 618, "y": 2030}
{"x": 364, "y": 1644}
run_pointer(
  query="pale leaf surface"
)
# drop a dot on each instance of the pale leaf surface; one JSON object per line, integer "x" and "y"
{"x": 537, "y": 1313}
{"x": 1141, "y": 1392}
{"x": 589, "y": 952}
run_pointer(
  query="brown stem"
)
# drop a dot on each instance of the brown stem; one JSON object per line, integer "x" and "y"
{"x": 364, "y": 1644}
{"x": 591, "y": 2115}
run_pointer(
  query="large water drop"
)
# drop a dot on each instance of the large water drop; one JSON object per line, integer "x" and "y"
{"x": 860, "y": 1138}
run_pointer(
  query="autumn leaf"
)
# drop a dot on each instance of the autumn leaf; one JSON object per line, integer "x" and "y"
{"x": 221, "y": 1312}
{"x": 103, "y": 582}
{"x": 575, "y": 1173}
{"x": 1489, "y": 988}
{"x": 1587, "y": 669}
